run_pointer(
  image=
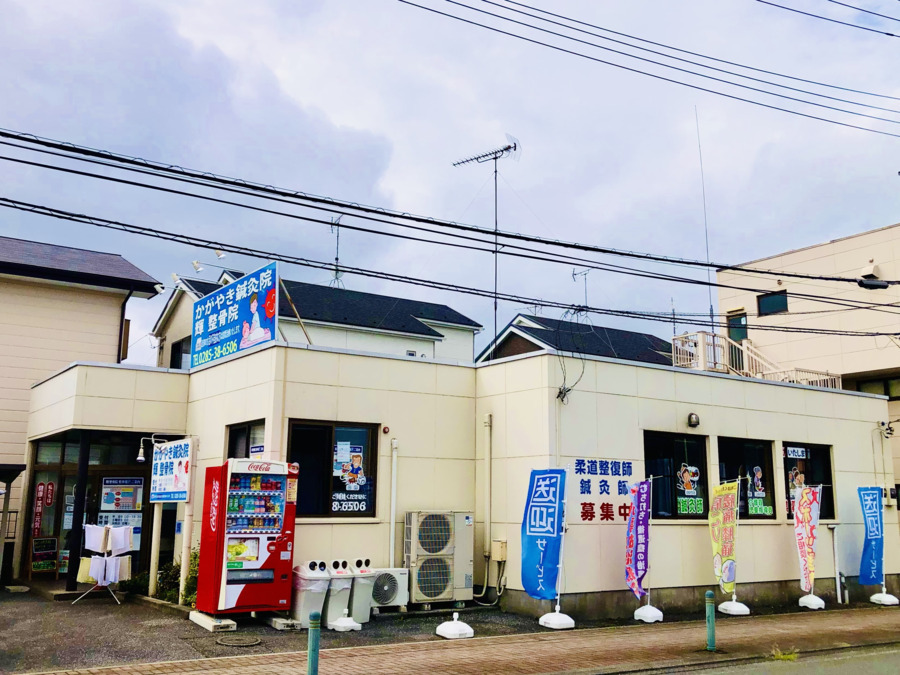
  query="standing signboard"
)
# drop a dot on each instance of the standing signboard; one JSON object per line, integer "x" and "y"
{"x": 238, "y": 316}
{"x": 806, "y": 526}
{"x": 722, "y": 530}
{"x": 637, "y": 538}
{"x": 171, "y": 477}
{"x": 542, "y": 529}
{"x": 870, "y": 565}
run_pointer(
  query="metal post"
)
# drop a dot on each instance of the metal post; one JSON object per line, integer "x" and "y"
{"x": 496, "y": 251}
{"x": 187, "y": 527}
{"x": 710, "y": 621}
{"x": 77, "y": 533}
{"x": 312, "y": 648}
{"x": 154, "y": 548}
{"x": 4, "y": 524}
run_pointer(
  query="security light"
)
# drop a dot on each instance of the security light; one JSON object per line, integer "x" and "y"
{"x": 197, "y": 266}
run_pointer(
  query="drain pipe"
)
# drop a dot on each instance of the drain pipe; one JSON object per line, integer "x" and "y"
{"x": 394, "y": 446}
{"x": 488, "y": 462}
{"x": 837, "y": 571}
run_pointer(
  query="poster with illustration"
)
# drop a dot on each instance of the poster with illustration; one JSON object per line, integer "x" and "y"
{"x": 686, "y": 480}
{"x": 121, "y": 494}
{"x": 243, "y": 549}
{"x": 171, "y": 472}
{"x": 238, "y": 316}
{"x": 351, "y": 488}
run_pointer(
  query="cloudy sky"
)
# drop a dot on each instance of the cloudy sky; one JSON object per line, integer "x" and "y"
{"x": 372, "y": 100}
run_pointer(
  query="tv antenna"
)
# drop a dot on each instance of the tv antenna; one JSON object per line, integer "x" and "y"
{"x": 584, "y": 275}
{"x": 337, "y": 274}
{"x": 512, "y": 149}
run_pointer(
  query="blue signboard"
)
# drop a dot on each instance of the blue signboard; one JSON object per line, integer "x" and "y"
{"x": 542, "y": 528}
{"x": 238, "y": 316}
{"x": 870, "y": 566}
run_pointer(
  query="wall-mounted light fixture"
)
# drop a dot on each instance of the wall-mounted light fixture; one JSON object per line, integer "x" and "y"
{"x": 140, "y": 456}
{"x": 693, "y": 420}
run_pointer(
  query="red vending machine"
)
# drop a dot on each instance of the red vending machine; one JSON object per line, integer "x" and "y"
{"x": 247, "y": 542}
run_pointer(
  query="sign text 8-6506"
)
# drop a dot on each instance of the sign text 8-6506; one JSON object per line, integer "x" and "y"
{"x": 348, "y": 506}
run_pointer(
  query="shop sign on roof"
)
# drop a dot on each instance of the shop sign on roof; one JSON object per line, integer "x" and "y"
{"x": 238, "y": 316}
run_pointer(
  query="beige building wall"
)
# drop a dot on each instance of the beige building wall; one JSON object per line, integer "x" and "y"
{"x": 43, "y": 327}
{"x": 605, "y": 418}
{"x": 842, "y": 257}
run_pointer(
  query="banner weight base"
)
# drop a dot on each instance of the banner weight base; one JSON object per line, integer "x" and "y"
{"x": 647, "y": 614}
{"x": 557, "y": 620}
{"x": 734, "y": 608}
{"x": 812, "y": 602}
{"x": 454, "y": 630}
{"x": 884, "y": 599}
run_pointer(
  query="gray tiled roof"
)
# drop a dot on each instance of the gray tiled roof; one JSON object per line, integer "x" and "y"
{"x": 77, "y": 265}
{"x": 355, "y": 308}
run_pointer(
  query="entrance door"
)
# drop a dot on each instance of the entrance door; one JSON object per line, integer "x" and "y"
{"x": 737, "y": 332}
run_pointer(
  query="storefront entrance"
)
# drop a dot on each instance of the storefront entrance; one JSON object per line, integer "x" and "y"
{"x": 117, "y": 494}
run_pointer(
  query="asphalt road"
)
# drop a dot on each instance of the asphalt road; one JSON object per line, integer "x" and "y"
{"x": 871, "y": 661}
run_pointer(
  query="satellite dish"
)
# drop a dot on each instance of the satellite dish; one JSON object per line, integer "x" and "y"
{"x": 516, "y": 153}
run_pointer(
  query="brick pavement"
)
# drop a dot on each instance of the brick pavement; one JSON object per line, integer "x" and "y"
{"x": 597, "y": 650}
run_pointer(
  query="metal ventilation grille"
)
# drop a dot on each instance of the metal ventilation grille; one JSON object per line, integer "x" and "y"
{"x": 385, "y": 589}
{"x": 433, "y": 577}
{"x": 435, "y": 531}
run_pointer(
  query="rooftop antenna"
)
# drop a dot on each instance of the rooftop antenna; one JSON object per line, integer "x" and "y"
{"x": 337, "y": 274}
{"x": 512, "y": 149}
{"x": 712, "y": 323}
{"x": 584, "y": 274}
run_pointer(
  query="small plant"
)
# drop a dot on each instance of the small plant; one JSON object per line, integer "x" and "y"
{"x": 790, "y": 655}
{"x": 138, "y": 584}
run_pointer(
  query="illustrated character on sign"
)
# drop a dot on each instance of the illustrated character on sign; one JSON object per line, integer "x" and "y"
{"x": 356, "y": 471}
{"x": 687, "y": 479}
{"x": 757, "y": 482}
{"x": 252, "y": 331}
{"x": 798, "y": 480}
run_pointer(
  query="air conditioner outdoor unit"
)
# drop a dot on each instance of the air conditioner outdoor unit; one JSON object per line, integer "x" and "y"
{"x": 391, "y": 588}
{"x": 438, "y": 550}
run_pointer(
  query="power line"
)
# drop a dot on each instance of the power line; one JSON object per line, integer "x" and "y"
{"x": 866, "y": 11}
{"x": 676, "y": 68}
{"x": 388, "y": 276}
{"x": 528, "y": 254}
{"x": 825, "y": 18}
{"x": 704, "y": 56}
{"x": 332, "y": 205}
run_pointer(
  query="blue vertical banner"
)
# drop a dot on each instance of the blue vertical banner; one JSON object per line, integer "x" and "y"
{"x": 542, "y": 531}
{"x": 870, "y": 566}
{"x": 238, "y": 316}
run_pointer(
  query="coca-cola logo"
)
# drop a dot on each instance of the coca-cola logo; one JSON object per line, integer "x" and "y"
{"x": 214, "y": 506}
{"x": 260, "y": 467}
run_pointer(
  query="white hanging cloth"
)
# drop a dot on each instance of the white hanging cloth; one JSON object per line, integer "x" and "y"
{"x": 98, "y": 569}
{"x": 95, "y": 538}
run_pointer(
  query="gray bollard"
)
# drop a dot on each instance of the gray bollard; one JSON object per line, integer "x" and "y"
{"x": 710, "y": 621}
{"x": 312, "y": 648}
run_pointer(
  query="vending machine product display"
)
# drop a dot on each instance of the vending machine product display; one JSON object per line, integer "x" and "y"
{"x": 247, "y": 540}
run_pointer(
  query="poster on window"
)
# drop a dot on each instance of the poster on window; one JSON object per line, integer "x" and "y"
{"x": 43, "y": 554}
{"x": 722, "y": 530}
{"x": 122, "y": 494}
{"x": 542, "y": 531}
{"x": 171, "y": 477}
{"x": 351, "y": 488}
{"x": 238, "y": 316}
{"x": 806, "y": 533}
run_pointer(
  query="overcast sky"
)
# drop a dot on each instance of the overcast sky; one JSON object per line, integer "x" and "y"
{"x": 372, "y": 100}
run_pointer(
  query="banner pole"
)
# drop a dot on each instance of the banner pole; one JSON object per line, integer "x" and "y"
{"x": 737, "y": 520}
{"x": 562, "y": 541}
{"x": 649, "y": 528}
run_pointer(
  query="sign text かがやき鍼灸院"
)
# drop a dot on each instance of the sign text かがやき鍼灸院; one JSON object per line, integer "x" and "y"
{"x": 171, "y": 475}
{"x": 237, "y": 316}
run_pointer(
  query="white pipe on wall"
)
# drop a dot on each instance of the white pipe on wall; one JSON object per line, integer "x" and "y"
{"x": 488, "y": 461}
{"x": 394, "y": 446}
{"x": 837, "y": 571}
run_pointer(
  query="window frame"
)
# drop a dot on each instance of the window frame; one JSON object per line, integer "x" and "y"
{"x": 768, "y": 468}
{"x": 370, "y": 465}
{"x": 178, "y": 347}
{"x": 885, "y": 386}
{"x": 827, "y": 488}
{"x": 765, "y": 296}
{"x": 231, "y": 428}
{"x": 703, "y": 443}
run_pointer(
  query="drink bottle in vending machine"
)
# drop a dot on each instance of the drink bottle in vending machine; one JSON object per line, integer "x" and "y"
{"x": 247, "y": 539}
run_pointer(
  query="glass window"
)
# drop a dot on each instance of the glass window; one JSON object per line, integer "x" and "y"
{"x": 677, "y": 463}
{"x": 872, "y": 387}
{"x": 751, "y": 462}
{"x": 48, "y": 452}
{"x": 337, "y": 464}
{"x": 806, "y": 464}
{"x": 772, "y": 303}
{"x": 180, "y": 355}
{"x": 893, "y": 388}
{"x": 242, "y": 437}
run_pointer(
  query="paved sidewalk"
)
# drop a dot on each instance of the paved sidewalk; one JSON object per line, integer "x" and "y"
{"x": 596, "y": 650}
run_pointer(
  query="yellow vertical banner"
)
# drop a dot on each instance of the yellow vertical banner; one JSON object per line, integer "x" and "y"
{"x": 722, "y": 531}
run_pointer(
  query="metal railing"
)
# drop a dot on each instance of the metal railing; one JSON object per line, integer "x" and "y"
{"x": 718, "y": 353}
